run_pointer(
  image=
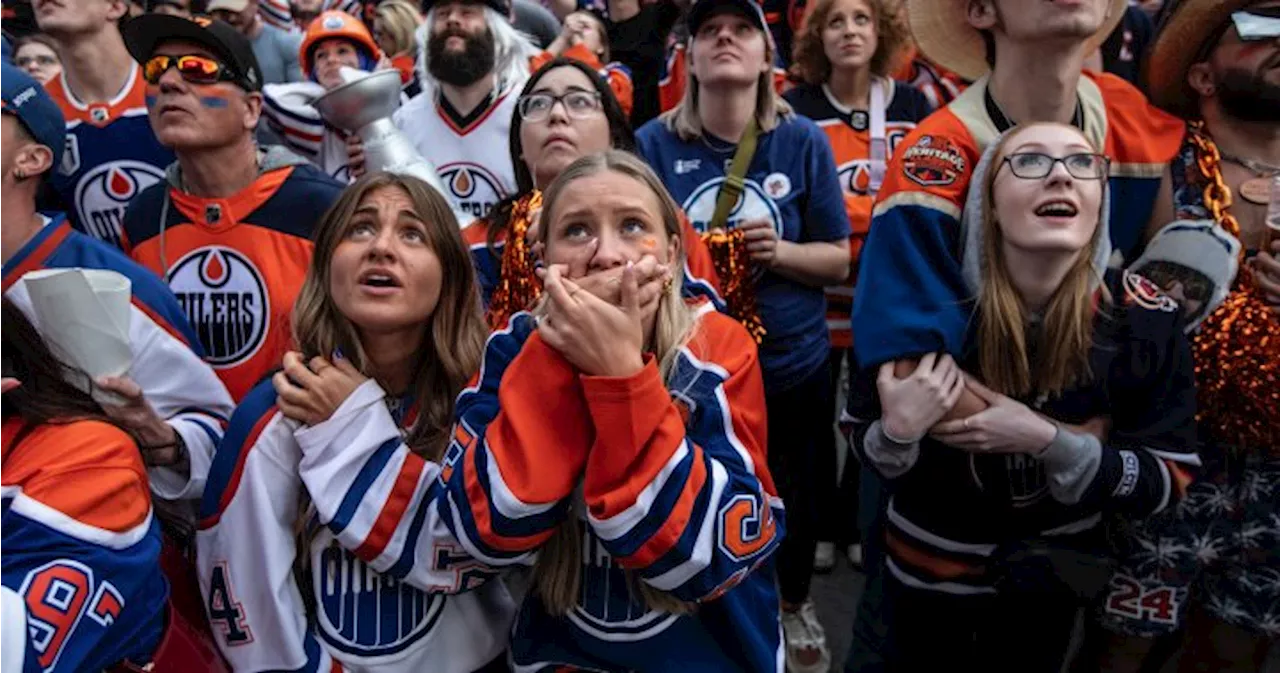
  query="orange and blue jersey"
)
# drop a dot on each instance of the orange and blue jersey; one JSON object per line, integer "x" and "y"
{"x": 111, "y": 155}
{"x": 668, "y": 478}
{"x": 81, "y": 546}
{"x": 849, "y": 132}
{"x": 236, "y": 264}
{"x": 167, "y": 355}
{"x": 910, "y": 297}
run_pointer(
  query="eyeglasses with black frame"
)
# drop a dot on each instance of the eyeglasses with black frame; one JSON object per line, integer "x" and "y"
{"x": 194, "y": 68}
{"x": 536, "y": 107}
{"x": 1036, "y": 165}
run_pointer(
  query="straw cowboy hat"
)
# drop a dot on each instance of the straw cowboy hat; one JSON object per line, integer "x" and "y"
{"x": 943, "y": 33}
{"x": 1179, "y": 45}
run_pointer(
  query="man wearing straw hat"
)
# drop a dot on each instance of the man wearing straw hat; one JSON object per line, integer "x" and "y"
{"x": 1211, "y": 565}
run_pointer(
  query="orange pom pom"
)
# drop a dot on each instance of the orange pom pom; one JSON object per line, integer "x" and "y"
{"x": 518, "y": 288}
{"x": 733, "y": 264}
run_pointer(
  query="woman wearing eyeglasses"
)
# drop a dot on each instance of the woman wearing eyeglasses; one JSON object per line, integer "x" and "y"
{"x": 566, "y": 110}
{"x": 993, "y": 532}
{"x": 36, "y": 55}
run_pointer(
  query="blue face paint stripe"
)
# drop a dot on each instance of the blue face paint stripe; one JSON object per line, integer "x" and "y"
{"x": 213, "y": 102}
{"x": 151, "y": 101}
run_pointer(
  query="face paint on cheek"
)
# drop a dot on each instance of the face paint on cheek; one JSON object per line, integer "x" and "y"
{"x": 649, "y": 243}
{"x": 214, "y": 102}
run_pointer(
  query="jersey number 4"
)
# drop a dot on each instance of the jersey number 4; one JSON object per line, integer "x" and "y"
{"x": 58, "y": 595}
{"x": 224, "y": 610}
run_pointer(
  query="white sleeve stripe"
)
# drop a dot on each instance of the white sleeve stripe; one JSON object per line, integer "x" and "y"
{"x": 464, "y": 539}
{"x": 914, "y": 198}
{"x": 619, "y": 524}
{"x": 504, "y": 501}
{"x": 726, "y": 418}
{"x": 37, "y": 511}
{"x": 13, "y": 613}
{"x": 704, "y": 546}
{"x": 1181, "y": 458}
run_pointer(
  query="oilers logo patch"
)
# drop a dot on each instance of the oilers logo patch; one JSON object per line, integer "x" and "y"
{"x": 755, "y": 202}
{"x": 472, "y": 187}
{"x": 1018, "y": 477}
{"x": 1140, "y": 291}
{"x": 103, "y": 194}
{"x": 607, "y": 607}
{"x": 933, "y": 161}
{"x": 362, "y": 613}
{"x": 226, "y": 300}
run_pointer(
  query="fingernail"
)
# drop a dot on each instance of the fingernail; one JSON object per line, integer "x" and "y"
{"x": 337, "y": 353}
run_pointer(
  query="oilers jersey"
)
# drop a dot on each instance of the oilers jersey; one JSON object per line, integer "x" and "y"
{"x": 81, "y": 547}
{"x": 235, "y": 264}
{"x": 110, "y": 156}
{"x": 953, "y": 510}
{"x": 910, "y": 296}
{"x": 368, "y": 613}
{"x": 470, "y": 152}
{"x": 791, "y": 182}
{"x": 669, "y": 479}
{"x": 167, "y": 363}
{"x": 850, "y": 134}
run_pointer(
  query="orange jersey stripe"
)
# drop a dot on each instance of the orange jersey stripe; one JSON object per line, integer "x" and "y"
{"x": 393, "y": 510}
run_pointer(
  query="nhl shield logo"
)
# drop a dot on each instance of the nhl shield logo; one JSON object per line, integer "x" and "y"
{"x": 226, "y": 300}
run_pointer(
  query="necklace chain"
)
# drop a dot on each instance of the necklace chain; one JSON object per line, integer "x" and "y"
{"x": 1260, "y": 168}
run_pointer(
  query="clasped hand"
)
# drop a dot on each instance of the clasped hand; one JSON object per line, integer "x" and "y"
{"x": 1005, "y": 426}
{"x": 309, "y": 392}
{"x": 597, "y": 335}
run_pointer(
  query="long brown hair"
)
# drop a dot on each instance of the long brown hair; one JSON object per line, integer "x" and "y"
{"x": 810, "y": 62}
{"x": 453, "y": 336}
{"x": 1066, "y": 330}
{"x": 557, "y": 577}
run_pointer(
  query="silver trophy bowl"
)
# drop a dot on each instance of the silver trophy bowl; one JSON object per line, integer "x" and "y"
{"x": 364, "y": 105}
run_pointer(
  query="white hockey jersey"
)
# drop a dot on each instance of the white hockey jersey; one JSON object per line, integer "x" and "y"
{"x": 167, "y": 364}
{"x": 369, "y": 613}
{"x": 472, "y": 153}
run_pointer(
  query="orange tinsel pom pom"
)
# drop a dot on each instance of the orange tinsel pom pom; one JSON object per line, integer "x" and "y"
{"x": 732, "y": 261}
{"x": 1237, "y": 355}
{"x": 518, "y": 288}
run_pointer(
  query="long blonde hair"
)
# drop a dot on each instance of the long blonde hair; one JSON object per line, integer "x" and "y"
{"x": 557, "y": 577}
{"x": 400, "y": 18}
{"x": 771, "y": 107}
{"x": 1066, "y": 330}
{"x": 453, "y": 335}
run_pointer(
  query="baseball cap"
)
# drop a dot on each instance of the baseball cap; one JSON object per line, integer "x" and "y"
{"x": 144, "y": 33}
{"x": 26, "y": 99}
{"x": 705, "y": 9}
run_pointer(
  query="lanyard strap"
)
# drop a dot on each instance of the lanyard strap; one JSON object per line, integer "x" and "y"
{"x": 731, "y": 188}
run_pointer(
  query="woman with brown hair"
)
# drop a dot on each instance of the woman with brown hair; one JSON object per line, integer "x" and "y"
{"x": 614, "y": 439}
{"x": 83, "y": 587}
{"x": 844, "y": 53}
{"x": 390, "y": 294}
{"x": 993, "y": 532}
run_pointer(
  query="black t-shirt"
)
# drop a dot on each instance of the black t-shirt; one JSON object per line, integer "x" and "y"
{"x": 640, "y": 43}
{"x": 1124, "y": 49}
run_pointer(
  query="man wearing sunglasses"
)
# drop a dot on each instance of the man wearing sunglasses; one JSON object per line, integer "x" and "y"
{"x": 1209, "y": 570}
{"x": 230, "y": 228}
{"x": 111, "y": 154}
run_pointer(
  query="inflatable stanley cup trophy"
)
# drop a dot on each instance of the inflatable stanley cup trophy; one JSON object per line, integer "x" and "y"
{"x": 364, "y": 105}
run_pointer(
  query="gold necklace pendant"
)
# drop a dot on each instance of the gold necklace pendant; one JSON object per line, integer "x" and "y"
{"x": 1256, "y": 190}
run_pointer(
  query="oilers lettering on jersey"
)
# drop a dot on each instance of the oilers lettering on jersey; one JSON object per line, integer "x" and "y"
{"x": 225, "y": 299}
{"x": 110, "y": 156}
{"x": 607, "y": 608}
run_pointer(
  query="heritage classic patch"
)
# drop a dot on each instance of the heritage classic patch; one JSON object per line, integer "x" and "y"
{"x": 933, "y": 161}
{"x": 1138, "y": 290}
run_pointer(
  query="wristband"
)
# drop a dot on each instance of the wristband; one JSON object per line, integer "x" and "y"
{"x": 895, "y": 440}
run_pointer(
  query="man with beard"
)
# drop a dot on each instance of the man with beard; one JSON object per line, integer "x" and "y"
{"x": 476, "y": 63}
{"x": 1210, "y": 566}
